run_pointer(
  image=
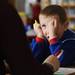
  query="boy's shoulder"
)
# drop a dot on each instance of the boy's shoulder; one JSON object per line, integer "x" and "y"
{"x": 69, "y": 38}
{"x": 68, "y": 35}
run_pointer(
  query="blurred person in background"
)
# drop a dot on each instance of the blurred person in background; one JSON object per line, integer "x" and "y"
{"x": 14, "y": 50}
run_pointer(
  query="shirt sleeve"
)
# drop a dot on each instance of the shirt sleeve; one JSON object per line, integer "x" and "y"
{"x": 40, "y": 49}
{"x": 56, "y": 48}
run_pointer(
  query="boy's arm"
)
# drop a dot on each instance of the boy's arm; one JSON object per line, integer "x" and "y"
{"x": 55, "y": 48}
{"x": 39, "y": 46}
{"x": 55, "y": 45}
{"x": 40, "y": 49}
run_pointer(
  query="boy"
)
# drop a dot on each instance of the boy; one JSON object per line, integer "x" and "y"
{"x": 53, "y": 37}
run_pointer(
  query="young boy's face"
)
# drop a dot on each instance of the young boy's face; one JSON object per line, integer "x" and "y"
{"x": 59, "y": 28}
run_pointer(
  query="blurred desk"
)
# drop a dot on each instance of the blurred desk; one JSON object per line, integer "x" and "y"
{"x": 65, "y": 71}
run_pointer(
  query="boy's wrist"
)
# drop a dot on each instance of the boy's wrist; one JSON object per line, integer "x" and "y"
{"x": 53, "y": 40}
{"x": 39, "y": 39}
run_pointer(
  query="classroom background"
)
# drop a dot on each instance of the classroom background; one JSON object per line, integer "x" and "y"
{"x": 29, "y": 10}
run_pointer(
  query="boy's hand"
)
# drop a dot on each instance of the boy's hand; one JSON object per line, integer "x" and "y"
{"x": 51, "y": 25}
{"x": 37, "y": 29}
{"x": 52, "y": 60}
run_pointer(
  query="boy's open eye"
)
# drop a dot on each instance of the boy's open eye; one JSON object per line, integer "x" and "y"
{"x": 43, "y": 25}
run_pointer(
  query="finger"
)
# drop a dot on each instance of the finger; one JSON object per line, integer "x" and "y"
{"x": 36, "y": 24}
{"x": 55, "y": 23}
{"x": 36, "y": 21}
{"x": 50, "y": 21}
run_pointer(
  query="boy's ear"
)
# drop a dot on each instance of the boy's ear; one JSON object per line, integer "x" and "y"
{"x": 66, "y": 25}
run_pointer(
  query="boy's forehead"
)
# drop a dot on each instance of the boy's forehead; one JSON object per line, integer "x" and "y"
{"x": 50, "y": 16}
{"x": 42, "y": 18}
